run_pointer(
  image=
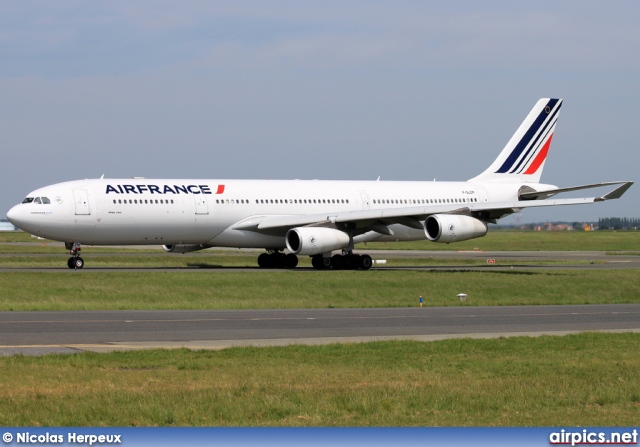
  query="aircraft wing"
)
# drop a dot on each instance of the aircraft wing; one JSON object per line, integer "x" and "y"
{"x": 377, "y": 220}
{"x": 550, "y": 192}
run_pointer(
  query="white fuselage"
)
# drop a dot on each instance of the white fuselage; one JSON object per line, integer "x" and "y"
{"x": 173, "y": 212}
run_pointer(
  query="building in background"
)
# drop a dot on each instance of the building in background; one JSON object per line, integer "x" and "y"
{"x": 5, "y": 225}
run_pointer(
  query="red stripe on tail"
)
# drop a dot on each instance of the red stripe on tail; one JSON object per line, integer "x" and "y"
{"x": 540, "y": 158}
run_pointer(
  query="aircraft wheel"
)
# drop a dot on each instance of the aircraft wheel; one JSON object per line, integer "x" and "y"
{"x": 264, "y": 261}
{"x": 278, "y": 260}
{"x": 320, "y": 263}
{"x": 78, "y": 262}
{"x": 365, "y": 262}
{"x": 354, "y": 262}
{"x": 70, "y": 263}
{"x": 337, "y": 262}
{"x": 290, "y": 261}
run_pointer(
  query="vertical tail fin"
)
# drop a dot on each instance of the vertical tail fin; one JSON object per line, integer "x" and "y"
{"x": 522, "y": 159}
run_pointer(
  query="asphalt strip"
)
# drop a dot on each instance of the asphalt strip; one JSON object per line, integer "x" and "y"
{"x": 38, "y": 350}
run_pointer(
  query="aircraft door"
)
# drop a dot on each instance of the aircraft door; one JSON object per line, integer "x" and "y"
{"x": 82, "y": 201}
{"x": 201, "y": 204}
{"x": 365, "y": 200}
{"x": 482, "y": 195}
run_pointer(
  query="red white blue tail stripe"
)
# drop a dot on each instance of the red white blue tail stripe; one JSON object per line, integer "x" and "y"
{"x": 531, "y": 150}
{"x": 522, "y": 159}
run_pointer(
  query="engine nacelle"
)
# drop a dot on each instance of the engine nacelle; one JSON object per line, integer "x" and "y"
{"x": 447, "y": 228}
{"x": 315, "y": 240}
{"x": 182, "y": 248}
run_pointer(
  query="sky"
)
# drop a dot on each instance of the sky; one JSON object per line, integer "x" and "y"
{"x": 404, "y": 90}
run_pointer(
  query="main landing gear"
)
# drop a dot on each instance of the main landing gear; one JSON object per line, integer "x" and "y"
{"x": 75, "y": 261}
{"x": 347, "y": 261}
{"x": 275, "y": 259}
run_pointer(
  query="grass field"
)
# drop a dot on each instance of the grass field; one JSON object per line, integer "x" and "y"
{"x": 577, "y": 380}
{"x": 210, "y": 287}
{"x": 85, "y": 290}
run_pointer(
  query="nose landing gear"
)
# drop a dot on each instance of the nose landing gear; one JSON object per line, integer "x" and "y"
{"x": 75, "y": 261}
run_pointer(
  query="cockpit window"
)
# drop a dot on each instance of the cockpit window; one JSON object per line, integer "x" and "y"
{"x": 41, "y": 200}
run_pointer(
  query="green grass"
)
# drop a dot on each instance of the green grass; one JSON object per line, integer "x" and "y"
{"x": 210, "y": 289}
{"x": 578, "y": 380}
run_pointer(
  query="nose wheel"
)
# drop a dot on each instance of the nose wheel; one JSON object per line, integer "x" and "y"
{"x": 75, "y": 261}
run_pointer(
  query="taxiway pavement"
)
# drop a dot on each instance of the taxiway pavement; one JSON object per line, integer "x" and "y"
{"x": 46, "y": 332}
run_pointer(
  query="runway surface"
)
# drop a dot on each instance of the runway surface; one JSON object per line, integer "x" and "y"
{"x": 47, "y": 332}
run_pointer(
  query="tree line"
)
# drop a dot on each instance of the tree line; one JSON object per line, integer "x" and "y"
{"x": 618, "y": 223}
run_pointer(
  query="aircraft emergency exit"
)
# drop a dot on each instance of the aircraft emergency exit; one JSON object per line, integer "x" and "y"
{"x": 308, "y": 218}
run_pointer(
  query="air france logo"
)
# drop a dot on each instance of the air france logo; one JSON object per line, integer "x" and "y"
{"x": 162, "y": 189}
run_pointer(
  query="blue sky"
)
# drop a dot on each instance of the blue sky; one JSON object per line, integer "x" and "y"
{"x": 333, "y": 90}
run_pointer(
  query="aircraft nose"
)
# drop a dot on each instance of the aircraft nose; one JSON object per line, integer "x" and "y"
{"x": 13, "y": 216}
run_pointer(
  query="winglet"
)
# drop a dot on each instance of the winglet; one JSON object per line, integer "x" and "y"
{"x": 617, "y": 193}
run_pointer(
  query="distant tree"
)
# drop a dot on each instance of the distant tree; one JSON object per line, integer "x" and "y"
{"x": 618, "y": 223}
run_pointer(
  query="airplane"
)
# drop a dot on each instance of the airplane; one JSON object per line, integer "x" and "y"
{"x": 307, "y": 217}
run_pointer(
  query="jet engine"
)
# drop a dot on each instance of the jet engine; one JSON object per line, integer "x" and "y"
{"x": 447, "y": 228}
{"x": 182, "y": 248}
{"x": 315, "y": 240}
